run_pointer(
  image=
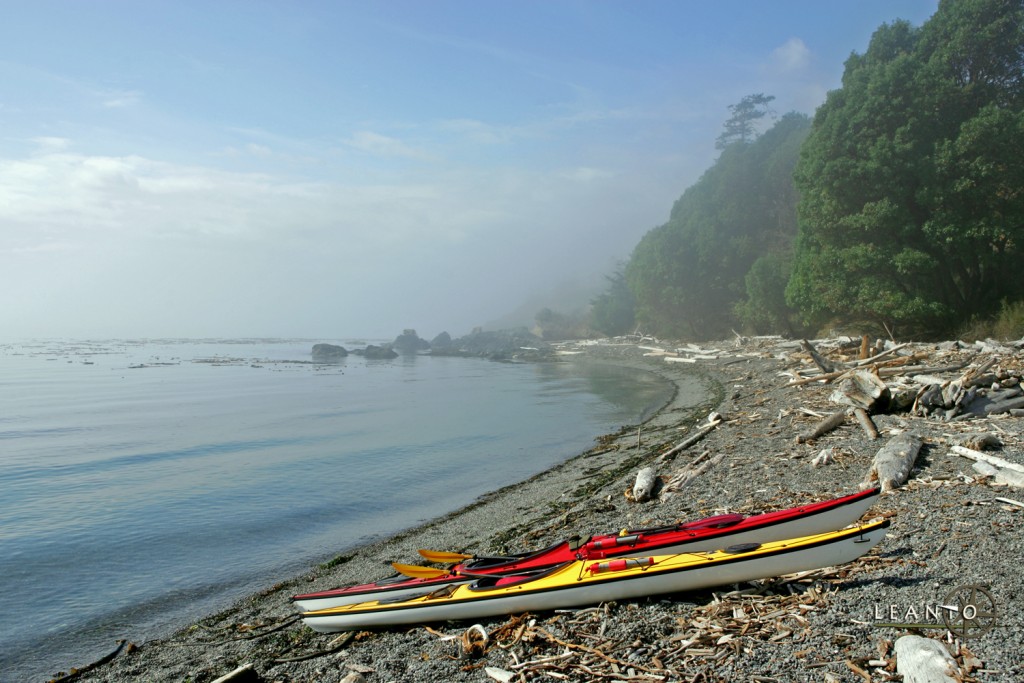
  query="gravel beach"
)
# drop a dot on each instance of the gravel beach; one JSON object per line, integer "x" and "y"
{"x": 951, "y": 528}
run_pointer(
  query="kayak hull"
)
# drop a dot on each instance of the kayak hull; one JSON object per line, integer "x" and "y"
{"x": 576, "y": 584}
{"x": 804, "y": 520}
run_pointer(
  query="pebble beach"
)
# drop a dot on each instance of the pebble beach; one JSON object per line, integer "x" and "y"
{"x": 952, "y": 527}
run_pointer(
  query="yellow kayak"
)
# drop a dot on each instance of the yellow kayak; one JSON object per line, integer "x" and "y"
{"x": 585, "y": 582}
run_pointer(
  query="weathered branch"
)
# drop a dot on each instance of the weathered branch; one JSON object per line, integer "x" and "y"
{"x": 823, "y": 427}
{"x": 866, "y": 423}
{"x": 689, "y": 441}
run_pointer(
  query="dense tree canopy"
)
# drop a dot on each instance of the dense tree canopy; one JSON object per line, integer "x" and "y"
{"x": 688, "y": 276}
{"x": 912, "y": 177}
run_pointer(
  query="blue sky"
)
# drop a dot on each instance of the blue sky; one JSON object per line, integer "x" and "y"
{"x": 335, "y": 169}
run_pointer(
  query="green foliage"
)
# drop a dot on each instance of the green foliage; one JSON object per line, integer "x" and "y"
{"x": 613, "y": 311}
{"x": 741, "y": 126}
{"x": 1007, "y": 325}
{"x": 688, "y": 275}
{"x": 911, "y": 180}
{"x": 765, "y": 310}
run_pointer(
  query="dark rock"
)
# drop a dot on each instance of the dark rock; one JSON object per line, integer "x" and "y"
{"x": 513, "y": 344}
{"x": 441, "y": 341}
{"x": 328, "y": 353}
{"x": 373, "y": 352}
{"x": 410, "y": 342}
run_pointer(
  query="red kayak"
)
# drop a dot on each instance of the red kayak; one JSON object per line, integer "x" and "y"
{"x": 707, "y": 534}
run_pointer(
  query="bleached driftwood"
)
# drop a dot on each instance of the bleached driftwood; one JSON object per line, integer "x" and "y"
{"x": 923, "y": 660}
{"x": 1000, "y": 475}
{"x": 689, "y": 441}
{"x": 866, "y": 423}
{"x": 825, "y": 456}
{"x": 893, "y": 462}
{"x": 701, "y": 464}
{"x": 244, "y": 672}
{"x": 823, "y": 427}
{"x": 985, "y": 457}
{"x": 643, "y": 487}
{"x": 862, "y": 389}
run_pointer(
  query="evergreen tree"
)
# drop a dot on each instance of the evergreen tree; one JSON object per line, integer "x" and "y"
{"x": 911, "y": 179}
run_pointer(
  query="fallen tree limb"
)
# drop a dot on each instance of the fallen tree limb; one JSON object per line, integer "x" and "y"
{"x": 244, "y": 672}
{"x": 985, "y": 457}
{"x": 883, "y": 354}
{"x": 866, "y": 423}
{"x": 823, "y": 427}
{"x": 825, "y": 364}
{"x": 827, "y": 377}
{"x": 689, "y": 441}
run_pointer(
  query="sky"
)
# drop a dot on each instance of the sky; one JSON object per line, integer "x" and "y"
{"x": 338, "y": 169}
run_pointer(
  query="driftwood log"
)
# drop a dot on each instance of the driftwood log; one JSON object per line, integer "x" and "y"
{"x": 643, "y": 487}
{"x": 985, "y": 457}
{"x": 923, "y": 660}
{"x": 866, "y": 423}
{"x": 242, "y": 674}
{"x": 689, "y": 441}
{"x": 1001, "y": 471}
{"x": 893, "y": 462}
{"x": 823, "y": 427}
{"x": 862, "y": 389}
{"x": 823, "y": 363}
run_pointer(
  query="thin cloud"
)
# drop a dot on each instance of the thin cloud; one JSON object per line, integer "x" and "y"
{"x": 383, "y": 145}
{"x": 792, "y": 56}
{"x": 117, "y": 99}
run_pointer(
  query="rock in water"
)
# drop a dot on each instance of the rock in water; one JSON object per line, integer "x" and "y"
{"x": 328, "y": 353}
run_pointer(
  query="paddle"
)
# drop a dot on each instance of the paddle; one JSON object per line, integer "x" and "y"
{"x": 443, "y": 557}
{"x": 416, "y": 571}
{"x": 419, "y": 572}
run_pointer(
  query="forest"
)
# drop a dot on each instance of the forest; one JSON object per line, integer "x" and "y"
{"x": 898, "y": 208}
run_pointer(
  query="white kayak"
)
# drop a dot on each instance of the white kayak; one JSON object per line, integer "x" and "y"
{"x": 585, "y": 582}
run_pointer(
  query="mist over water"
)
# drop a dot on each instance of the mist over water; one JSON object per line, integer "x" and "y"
{"x": 145, "y": 484}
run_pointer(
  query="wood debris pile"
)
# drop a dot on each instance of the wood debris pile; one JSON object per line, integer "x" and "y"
{"x": 577, "y": 644}
{"x": 968, "y": 387}
{"x": 949, "y": 381}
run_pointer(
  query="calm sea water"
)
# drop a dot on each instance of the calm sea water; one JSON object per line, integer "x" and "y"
{"x": 147, "y": 483}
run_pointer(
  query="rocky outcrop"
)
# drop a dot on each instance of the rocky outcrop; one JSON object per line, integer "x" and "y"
{"x": 514, "y": 344}
{"x": 374, "y": 352}
{"x": 328, "y": 353}
{"x": 409, "y": 342}
{"x": 442, "y": 341}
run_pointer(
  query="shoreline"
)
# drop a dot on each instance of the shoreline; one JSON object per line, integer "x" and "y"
{"x": 763, "y": 470}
